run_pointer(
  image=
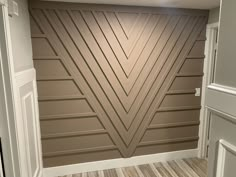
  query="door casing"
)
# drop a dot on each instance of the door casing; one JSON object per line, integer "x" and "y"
{"x": 210, "y": 48}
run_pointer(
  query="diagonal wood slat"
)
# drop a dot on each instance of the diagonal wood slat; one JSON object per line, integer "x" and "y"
{"x": 127, "y": 23}
{"x": 127, "y": 45}
{"x": 124, "y": 69}
{"x": 166, "y": 85}
{"x": 42, "y": 21}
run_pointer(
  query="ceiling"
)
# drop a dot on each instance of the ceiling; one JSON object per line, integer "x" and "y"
{"x": 193, "y": 4}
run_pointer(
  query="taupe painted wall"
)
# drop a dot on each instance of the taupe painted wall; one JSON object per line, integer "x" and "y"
{"x": 214, "y": 15}
{"x": 116, "y": 81}
{"x": 21, "y": 38}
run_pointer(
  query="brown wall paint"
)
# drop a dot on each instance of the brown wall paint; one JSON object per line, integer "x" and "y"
{"x": 116, "y": 81}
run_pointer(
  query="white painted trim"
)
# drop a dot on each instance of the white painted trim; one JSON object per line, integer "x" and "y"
{"x": 11, "y": 162}
{"x": 223, "y": 88}
{"x": 21, "y": 79}
{"x": 36, "y": 137}
{"x": 223, "y": 115}
{"x": 118, "y": 163}
{"x": 25, "y": 132}
{"x": 203, "y": 127}
{"x": 212, "y": 25}
{"x": 17, "y": 161}
{"x": 221, "y": 101}
{"x": 224, "y": 146}
{"x": 24, "y": 77}
{"x": 207, "y": 78}
{"x": 18, "y": 80}
{"x": 37, "y": 130}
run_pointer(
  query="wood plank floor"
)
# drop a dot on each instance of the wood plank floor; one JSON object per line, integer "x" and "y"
{"x": 193, "y": 167}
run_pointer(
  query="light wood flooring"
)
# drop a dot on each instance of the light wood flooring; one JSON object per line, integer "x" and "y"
{"x": 193, "y": 167}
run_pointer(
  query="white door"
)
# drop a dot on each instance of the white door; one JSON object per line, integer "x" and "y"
{"x": 19, "y": 121}
{"x": 221, "y": 98}
{"x": 8, "y": 141}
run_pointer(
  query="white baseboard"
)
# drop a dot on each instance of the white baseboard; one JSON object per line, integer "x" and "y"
{"x": 118, "y": 163}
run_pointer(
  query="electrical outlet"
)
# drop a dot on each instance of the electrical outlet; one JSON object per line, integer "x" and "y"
{"x": 198, "y": 92}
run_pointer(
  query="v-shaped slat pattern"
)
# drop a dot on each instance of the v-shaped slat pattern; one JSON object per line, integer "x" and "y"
{"x": 129, "y": 100}
{"x": 122, "y": 114}
{"x": 142, "y": 49}
{"x": 124, "y": 77}
{"x": 160, "y": 93}
{"x": 125, "y": 118}
{"x": 127, "y": 44}
{"x": 131, "y": 22}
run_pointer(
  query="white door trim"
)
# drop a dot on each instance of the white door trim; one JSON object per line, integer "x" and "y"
{"x": 9, "y": 142}
{"x": 16, "y": 161}
{"x": 207, "y": 80}
{"x": 22, "y": 79}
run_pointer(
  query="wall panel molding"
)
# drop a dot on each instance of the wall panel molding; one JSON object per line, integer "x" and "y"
{"x": 125, "y": 64}
{"x": 224, "y": 148}
{"x": 220, "y": 98}
{"x": 222, "y": 88}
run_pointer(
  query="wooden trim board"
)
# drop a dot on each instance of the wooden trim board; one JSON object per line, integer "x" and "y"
{"x": 118, "y": 163}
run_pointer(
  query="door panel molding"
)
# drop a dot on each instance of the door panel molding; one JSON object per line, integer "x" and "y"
{"x": 28, "y": 129}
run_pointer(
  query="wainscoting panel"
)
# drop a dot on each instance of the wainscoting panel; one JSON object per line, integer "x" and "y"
{"x": 116, "y": 81}
{"x": 222, "y": 152}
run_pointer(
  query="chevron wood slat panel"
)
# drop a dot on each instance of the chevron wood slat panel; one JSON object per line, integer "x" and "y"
{"x": 116, "y": 81}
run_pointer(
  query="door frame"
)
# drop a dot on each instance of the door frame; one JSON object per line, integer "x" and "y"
{"x": 212, "y": 31}
{"x": 7, "y": 114}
